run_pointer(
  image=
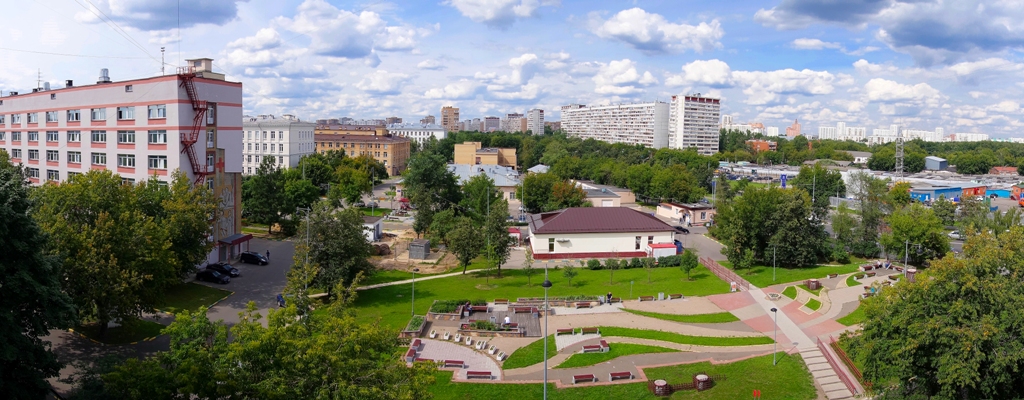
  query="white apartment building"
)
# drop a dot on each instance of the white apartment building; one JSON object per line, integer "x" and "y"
{"x": 842, "y": 132}
{"x": 418, "y": 132}
{"x": 771, "y": 131}
{"x": 284, "y": 139}
{"x": 693, "y": 122}
{"x": 535, "y": 121}
{"x": 968, "y": 137}
{"x": 137, "y": 129}
{"x": 512, "y": 123}
{"x": 637, "y": 123}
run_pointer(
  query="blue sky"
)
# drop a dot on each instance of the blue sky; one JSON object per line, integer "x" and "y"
{"x": 923, "y": 63}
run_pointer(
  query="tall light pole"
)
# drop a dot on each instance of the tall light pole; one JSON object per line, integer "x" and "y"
{"x": 414, "y": 271}
{"x": 776, "y": 348}
{"x": 547, "y": 310}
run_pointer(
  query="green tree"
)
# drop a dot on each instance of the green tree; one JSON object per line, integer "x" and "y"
{"x": 771, "y": 217}
{"x": 263, "y": 194}
{"x": 424, "y": 218}
{"x": 611, "y": 264}
{"x": 569, "y": 272}
{"x": 535, "y": 191}
{"x": 821, "y": 183}
{"x": 442, "y": 223}
{"x": 350, "y": 184}
{"x": 528, "y": 269}
{"x": 871, "y": 192}
{"x": 338, "y": 246}
{"x": 185, "y": 210}
{"x": 429, "y": 183}
{"x": 33, "y": 302}
{"x": 648, "y": 264}
{"x": 899, "y": 195}
{"x": 638, "y": 179}
{"x": 496, "y": 231}
{"x": 945, "y": 210}
{"x": 318, "y": 168}
{"x": 843, "y": 224}
{"x": 675, "y": 184}
{"x": 687, "y": 262}
{"x": 915, "y": 229}
{"x": 566, "y": 195}
{"x": 955, "y": 332}
{"x": 477, "y": 194}
{"x": 299, "y": 193}
{"x": 465, "y": 241}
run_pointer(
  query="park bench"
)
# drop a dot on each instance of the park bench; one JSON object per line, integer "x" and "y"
{"x": 870, "y": 274}
{"x": 886, "y": 283}
{"x": 481, "y": 344}
{"x": 866, "y": 268}
{"x": 492, "y": 349}
{"x": 433, "y": 333}
{"x": 583, "y": 378}
{"x": 501, "y": 356}
{"x": 894, "y": 277}
{"x": 512, "y": 325}
{"x": 583, "y": 304}
{"x": 410, "y": 355}
{"x": 567, "y": 331}
{"x": 898, "y": 269}
{"x": 646, "y": 298}
{"x": 478, "y": 374}
{"x": 867, "y": 288}
{"x": 447, "y": 335}
{"x": 675, "y": 296}
{"x": 416, "y": 344}
{"x": 604, "y": 346}
{"x": 519, "y": 310}
{"x": 454, "y": 364}
{"x": 478, "y": 308}
{"x": 866, "y": 295}
{"x": 616, "y": 300}
{"x": 593, "y": 348}
{"x": 620, "y": 375}
{"x": 833, "y": 275}
{"x": 501, "y": 301}
{"x": 586, "y": 331}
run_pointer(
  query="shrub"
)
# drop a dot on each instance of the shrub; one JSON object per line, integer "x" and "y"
{"x": 668, "y": 261}
{"x": 479, "y": 302}
{"x": 594, "y": 264}
{"x": 289, "y": 226}
{"x": 446, "y": 306}
{"x": 484, "y": 326}
{"x": 636, "y": 263}
{"x": 415, "y": 323}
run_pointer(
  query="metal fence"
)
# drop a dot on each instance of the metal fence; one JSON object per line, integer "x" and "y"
{"x": 835, "y": 366}
{"x": 850, "y": 203}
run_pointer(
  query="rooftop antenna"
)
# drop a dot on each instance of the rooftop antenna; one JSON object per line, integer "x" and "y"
{"x": 39, "y": 79}
{"x": 162, "y": 63}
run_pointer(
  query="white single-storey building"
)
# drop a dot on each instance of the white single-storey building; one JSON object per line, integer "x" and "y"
{"x": 687, "y": 214}
{"x": 373, "y": 228}
{"x": 596, "y": 232}
{"x": 603, "y": 198}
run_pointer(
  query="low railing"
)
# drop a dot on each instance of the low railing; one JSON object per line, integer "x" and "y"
{"x": 724, "y": 273}
{"x": 835, "y": 367}
{"x": 846, "y": 359}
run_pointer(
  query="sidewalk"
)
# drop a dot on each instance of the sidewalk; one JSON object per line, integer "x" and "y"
{"x": 408, "y": 281}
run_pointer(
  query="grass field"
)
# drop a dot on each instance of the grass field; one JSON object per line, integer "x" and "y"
{"x": 789, "y": 291}
{"x": 190, "y": 296}
{"x": 854, "y": 318}
{"x": 530, "y": 354}
{"x": 376, "y": 212}
{"x": 616, "y": 350}
{"x": 813, "y": 304}
{"x": 391, "y": 304}
{"x": 787, "y": 380}
{"x": 816, "y": 292}
{"x": 851, "y": 280}
{"x": 761, "y": 276}
{"x": 684, "y": 339}
{"x": 135, "y": 332}
{"x": 715, "y": 318}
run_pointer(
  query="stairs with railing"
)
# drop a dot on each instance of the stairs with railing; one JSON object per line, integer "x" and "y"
{"x": 190, "y": 138}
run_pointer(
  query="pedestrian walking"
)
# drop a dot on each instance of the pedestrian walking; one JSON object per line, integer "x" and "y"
{"x": 280, "y": 300}
{"x": 268, "y": 255}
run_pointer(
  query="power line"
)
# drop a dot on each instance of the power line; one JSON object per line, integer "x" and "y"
{"x": 71, "y": 55}
{"x": 113, "y": 25}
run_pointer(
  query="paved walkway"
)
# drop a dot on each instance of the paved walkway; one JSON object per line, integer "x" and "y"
{"x": 475, "y": 360}
{"x": 563, "y": 341}
{"x": 408, "y": 281}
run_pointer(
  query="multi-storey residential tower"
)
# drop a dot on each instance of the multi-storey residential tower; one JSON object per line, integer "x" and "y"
{"x": 637, "y": 123}
{"x": 450, "y": 118}
{"x": 535, "y": 121}
{"x": 694, "y": 121}
{"x": 285, "y": 139}
{"x": 512, "y": 122}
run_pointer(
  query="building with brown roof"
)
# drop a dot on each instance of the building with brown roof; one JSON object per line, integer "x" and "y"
{"x": 1003, "y": 171}
{"x": 392, "y": 151}
{"x": 472, "y": 153}
{"x": 596, "y": 232}
{"x": 762, "y": 145}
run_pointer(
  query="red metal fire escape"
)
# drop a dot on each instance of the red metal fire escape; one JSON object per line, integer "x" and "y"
{"x": 189, "y": 139}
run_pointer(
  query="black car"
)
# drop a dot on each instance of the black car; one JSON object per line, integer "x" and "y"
{"x": 224, "y": 269}
{"x": 252, "y": 257}
{"x": 682, "y": 230}
{"x": 209, "y": 275}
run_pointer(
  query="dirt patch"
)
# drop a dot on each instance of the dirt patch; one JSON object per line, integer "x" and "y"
{"x": 398, "y": 241}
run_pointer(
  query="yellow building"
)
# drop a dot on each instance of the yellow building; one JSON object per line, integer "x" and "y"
{"x": 473, "y": 153}
{"x": 392, "y": 151}
{"x": 450, "y": 118}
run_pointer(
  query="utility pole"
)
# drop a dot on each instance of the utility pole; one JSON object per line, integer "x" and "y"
{"x": 162, "y": 63}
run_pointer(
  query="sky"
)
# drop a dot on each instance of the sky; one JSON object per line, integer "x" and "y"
{"x": 920, "y": 63}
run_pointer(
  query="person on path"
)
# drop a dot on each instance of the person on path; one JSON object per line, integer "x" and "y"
{"x": 268, "y": 255}
{"x": 609, "y": 298}
{"x": 507, "y": 320}
{"x": 280, "y": 300}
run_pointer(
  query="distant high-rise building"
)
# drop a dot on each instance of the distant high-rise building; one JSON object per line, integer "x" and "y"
{"x": 793, "y": 130}
{"x": 771, "y": 131}
{"x": 428, "y": 120}
{"x": 535, "y": 121}
{"x": 511, "y": 123}
{"x": 393, "y": 120}
{"x": 637, "y": 123}
{"x": 491, "y": 124}
{"x": 450, "y": 118}
{"x": 554, "y": 125}
{"x": 478, "y": 125}
{"x": 694, "y": 122}
{"x": 726, "y": 120}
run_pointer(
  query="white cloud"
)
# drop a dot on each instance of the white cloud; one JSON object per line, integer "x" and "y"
{"x": 764, "y": 87}
{"x": 382, "y": 82}
{"x": 884, "y": 90}
{"x": 462, "y": 90}
{"x": 499, "y": 13}
{"x": 651, "y": 33}
{"x": 1005, "y": 107}
{"x": 621, "y": 77}
{"x": 713, "y": 73}
{"x": 972, "y": 71}
{"x": 430, "y": 64}
{"x": 344, "y": 34}
{"x": 160, "y": 15}
{"x": 815, "y": 44}
{"x": 266, "y": 38}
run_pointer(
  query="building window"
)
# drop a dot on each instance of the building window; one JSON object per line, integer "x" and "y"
{"x": 127, "y": 181}
{"x": 33, "y": 118}
{"x": 210, "y": 115}
{"x": 126, "y": 160}
{"x": 33, "y": 136}
{"x": 74, "y": 157}
{"x": 248, "y": 158}
{"x": 16, "y": 136}
{"x": 52, "y": 136}
{"x": 2, "y": 137}
{"x": 271, "y": 134}
{"x": 33, "y": 154}
{"x": 248, "y": 146}
{"x": 2, "y": 117}
{"x": 74, "y": 115}
{"x": 52, "y": 155}
{"x": 51, "y": 116}
{"x": 52, "y": 175}
{"x": 15, "y": 118}
{"x": 33, "y": 172}
{"x": 637, "y": 247}
{"x": 99, "y": 136}
{"x": 128, "y": 88}
{"x": 257, "y": 159}
{"x": 73, "y": 174}
{"x": 74, "y": 136}
{"x": 158, "y": 111}
{"x": 126, "y": 137}
{"x": 280, "y": 160}
{"x": 99, "y": 158}
{"x": 250, "y": 170}
{"x": 703, "y": 215}
{"x": 15, "y": 153}
{"x": 157, "y": 162}
{"x": 98, "y": 114}
{"x": 158, "y": 137}
{"x": 280, "y": 148}
{"x": 650, "y": 240}
{"x": 551, "y": 245}
{"x": 385, "y": 154}
{"x": 264, "y": 147}
{"x": 125, "y": 113}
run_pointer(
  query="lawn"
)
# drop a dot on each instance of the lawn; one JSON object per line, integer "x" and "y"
{"x": 391, "y": 304}
{"x": 684, "y": 339}
{"x": 123, "y": 334}
{"x": 761, "y": 276}
{"x": 852, "y": 281}
{"x": 854, "y": 318}
{"x": 813, "y": 304}
{"x": 190, "y": 296}
{"x": 530, "y": 354}
{"x": 376, "y": 212}
{"x": 787, "y": 380}
{"x": 789, "y": 291}
{"x": 615, "y": 351}
{"x": 817, "y": 292}
{"x": 714, "y": 318}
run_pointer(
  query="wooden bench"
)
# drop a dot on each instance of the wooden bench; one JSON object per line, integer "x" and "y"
{"x": 866, "y": 295}
{"x": 675, "y": 296}
{"x": 898, "y": 269}
{"x": 567, "y": 331}
{"x": 833, "y": 276}
{"x": 520, "y": 310}
{"x": 867, "y": 267}
{"x": 501, "y": 301}
{"x": 589, "y": 330}
{"x": 620, "y": 375}
{"x": 646, "y": 298}
{"x": 478, "y": 374}
{"x": 615, "y": 300}
{"x": 454, "y": 364}
{"x": 593, "y": 348}
{"x": 583, "y": 304}
{"x": 895, "y": 277}
{"x": 604, "y": 346}
{"x": 513, "y": 325}
{"x": 410, "y": 355}
{"x": 870, "y": 274}
{"x": 478, "y": 308}
{"x": 583, "y": 378}
{"x": 416, "y": 344}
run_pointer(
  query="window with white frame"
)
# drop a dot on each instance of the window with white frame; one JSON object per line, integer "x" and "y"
{"x": 158, "y": 137}
{"x": 3, "y": 136}
{"x": 99, "y": 158}
{"x": 158, "y": 111}
{"x": 52, "y": 175}
{"x": 74, "y": 157}
{"x": 210, "y": 114}
{"x": 264, "y": 147}
{"x": 157, "y": 162}
{"x": 248, "y": 158}
{"x": 33, "y": 172}
{"x": 257, "y": 159}
{"x": 15, "y": 153}
{"x": 280, "y": 148}
{"x": 51, "y": 116}
{"x": 33, "y": 136}
{"x": 209, "y": 160}
{"x": 98, "y": 114}
{"x": 16, "y": 136}
{"x": 129, "y": 88}
{"x": 280, "y": 159}
{"x": 127, "y": 181}
{"x": 126, "y": 160}
{"x": 74, "y": 115}
{"x": 99, "y": 136}
{"x": 52, "y": 136}
{"x": 72, "y": 174}
{"x": 15, "y": 118}
{"x": 248, "y": 147}
{"x": 2, "y": 118}
{"x": 33, "y": 154}
{"x": 126, "y": 137}
{"x": 125, "y": 113}
{"x": 52, "y": 155}
{"x": 33, "y": 118}
{"x": 74, "y": 136}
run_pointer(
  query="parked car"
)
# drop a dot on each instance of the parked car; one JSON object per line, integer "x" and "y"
{"x": 224, "y": 269}
{"x": 956, "y": 235}
{"x": 252, "y": 257}
{"x": 373, "y": 204}
{"x": 682, "y": 230}
{"x": 209, "y": 275}
{"x": 359, "y": 204}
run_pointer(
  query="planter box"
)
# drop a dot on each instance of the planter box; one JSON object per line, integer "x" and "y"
{"x": 416, "y": 333}
{"x": 475, "y": 333}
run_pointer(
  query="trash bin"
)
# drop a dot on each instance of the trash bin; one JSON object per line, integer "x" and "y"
{"x": 813, "y": 284}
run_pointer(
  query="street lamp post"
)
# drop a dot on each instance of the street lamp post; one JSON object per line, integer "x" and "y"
{"x": 414, "y": 271}
{"x": 776, "y": 348}
{"x": 547, "y": 310}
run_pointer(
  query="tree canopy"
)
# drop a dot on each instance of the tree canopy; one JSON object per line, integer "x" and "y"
{"x": 766, "y": 218}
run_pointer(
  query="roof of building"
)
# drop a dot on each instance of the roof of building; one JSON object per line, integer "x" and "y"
{"x": 931, "y": 188}
{"x": 1000, "y": 170}
{"x": 600, "y": 193}
{"x": 592, "y": 185}
{"x": 692, "y": 206}
{"x": 539, "y": 169}
{"x": 416, "y": 126}
{"x": 330, "y": 137}
{"x": 347, "y": 127}
{"x": 933, "y": 158}
{"x": 858, "y": 153}
{"x": 596, "y": 220}
{"x": 662, "y": 245}
{"x": 501, "y": 175}
{"x": 371, "y": 220}
{"x": 420, "y": 242}
{"x": 513, "y": 229}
